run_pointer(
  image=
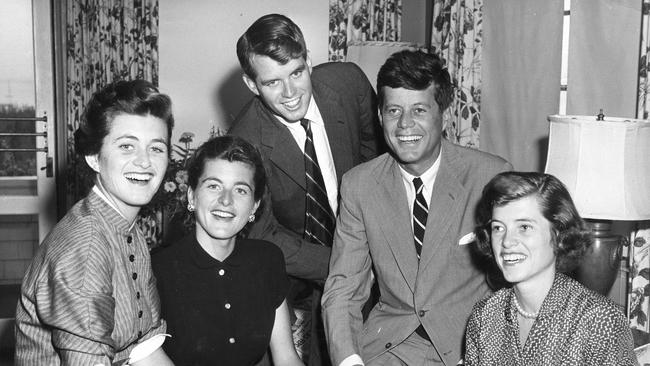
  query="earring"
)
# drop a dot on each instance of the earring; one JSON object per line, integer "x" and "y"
{"x": 190, "y": 207}
{"x": 251, "y": 218}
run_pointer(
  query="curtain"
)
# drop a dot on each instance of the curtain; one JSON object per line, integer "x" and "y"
{"x": 457, "y": 36}
{"x": 362, "y": 20}
{"x": 105, "y": 40}
{"x": 639, "y": 276}
{"x": 521, "y": 78}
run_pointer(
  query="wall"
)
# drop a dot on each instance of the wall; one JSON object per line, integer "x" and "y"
{"x": 198, "y": 63}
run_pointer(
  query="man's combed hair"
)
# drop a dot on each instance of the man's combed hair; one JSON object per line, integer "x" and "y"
{"x": 272, "y": 35}
{"x": 416, "y": 70}
{"x": 570, "y": 235}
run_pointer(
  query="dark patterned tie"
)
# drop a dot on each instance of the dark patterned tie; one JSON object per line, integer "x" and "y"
{"x": 319, "y": 218}
{"x": 420, "y": 213}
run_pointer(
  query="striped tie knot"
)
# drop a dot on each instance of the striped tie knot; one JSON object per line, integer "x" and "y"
{"x": 319, "y": 218}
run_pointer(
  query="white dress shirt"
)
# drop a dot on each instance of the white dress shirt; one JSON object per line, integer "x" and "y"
{"x": 322, "y": 147}
{"x": 428, "y": 179}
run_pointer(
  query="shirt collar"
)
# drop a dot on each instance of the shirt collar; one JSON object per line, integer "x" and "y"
{"x": 428, "y": 177}
{"x": 205, "y": 260}
{"x": 101, "y": 195}
{"x": 553, "y": 302}
{"x": 109, "y": 212}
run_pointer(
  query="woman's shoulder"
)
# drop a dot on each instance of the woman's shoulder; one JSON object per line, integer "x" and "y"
{"x": 262, "y": 251}
{"x": 493, "y": 303}
{"x": 259, "y": 246}
{"x": 173, "y": 251}
{"x": 594, "y": 306}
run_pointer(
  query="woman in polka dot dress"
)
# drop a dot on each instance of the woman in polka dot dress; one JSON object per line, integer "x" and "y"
{"x": 529, "y": 225}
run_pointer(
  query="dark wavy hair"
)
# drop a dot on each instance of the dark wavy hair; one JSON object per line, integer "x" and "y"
{"x": 416, "y": 70}
{"x": 233, "y": 149}
{"x": 135, "y": 97}
{"x": 273, "y": 35}
{"x": 569, "y": 233}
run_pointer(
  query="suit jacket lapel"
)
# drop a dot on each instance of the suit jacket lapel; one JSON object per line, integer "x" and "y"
{"x": 335, "y": 126}
{"x": 448, "y": 192}
{"x": 395, "y": 220}
{"x": 284, "y": 151}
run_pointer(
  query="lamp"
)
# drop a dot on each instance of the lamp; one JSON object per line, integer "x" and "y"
{"x": 605, "y": 165}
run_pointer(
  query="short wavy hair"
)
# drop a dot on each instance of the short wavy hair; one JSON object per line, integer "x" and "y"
{"x": 272, "y": 35}
{"x": 134, "y": 97}
{"x": 570, "y": 236}
{"x": 233, "y": 149}
{"x": 416, "y": 70}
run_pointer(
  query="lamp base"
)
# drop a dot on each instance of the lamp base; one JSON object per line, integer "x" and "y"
{"x": 601, "y": 262}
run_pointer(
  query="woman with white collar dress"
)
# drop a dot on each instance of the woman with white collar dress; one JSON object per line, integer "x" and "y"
{"x": 529, "y": 225}
{"x": 89, "y": 296}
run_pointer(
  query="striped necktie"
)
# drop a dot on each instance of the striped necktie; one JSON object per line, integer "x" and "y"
{"x": 420, "y": 213}
{"x": 319, "y": 218}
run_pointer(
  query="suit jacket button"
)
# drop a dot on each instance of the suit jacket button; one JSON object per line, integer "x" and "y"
{"x": 421, "y": 313}
{"x": 388, "y": 345}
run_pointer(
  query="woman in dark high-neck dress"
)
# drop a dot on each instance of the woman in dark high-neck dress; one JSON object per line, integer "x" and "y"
{"x": 223, "y": 295}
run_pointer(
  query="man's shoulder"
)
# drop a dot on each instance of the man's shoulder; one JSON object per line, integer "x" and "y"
{"x": 248, "y": 121}
{"x": 476, "y": 160}
{"x": 370, "y": 169}
{"x": 337, "y": 74}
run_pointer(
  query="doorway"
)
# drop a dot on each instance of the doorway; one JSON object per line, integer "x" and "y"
{"x": 27, "y": 147}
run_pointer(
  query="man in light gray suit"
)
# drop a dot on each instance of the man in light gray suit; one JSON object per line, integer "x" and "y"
{"x": 408, "y": 216}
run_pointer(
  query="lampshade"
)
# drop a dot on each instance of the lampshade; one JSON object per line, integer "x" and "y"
{"x": 370, "y": 55}
{"x": 604, "y": 164}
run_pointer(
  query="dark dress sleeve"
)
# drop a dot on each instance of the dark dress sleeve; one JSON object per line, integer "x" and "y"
{"x": 278, "y": 280}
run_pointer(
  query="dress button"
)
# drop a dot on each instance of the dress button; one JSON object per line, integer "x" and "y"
{"x": 421, "y": 313}
{"x": 140, "y": 314}
{"x": 227, "y": 306}
{"x": 231, "y": 340}
{"x": 222, "y": 272}
{"x": 135, "y": 275}
{"x": 129, "y": 239}
{"x": 388, "y": 345}
{"x": 132, "y": 258}
{"x": 137, "y": 295}
{"x": 139, "y": 334}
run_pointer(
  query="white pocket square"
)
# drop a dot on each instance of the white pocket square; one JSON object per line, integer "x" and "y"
{"x": 467, "y": 238}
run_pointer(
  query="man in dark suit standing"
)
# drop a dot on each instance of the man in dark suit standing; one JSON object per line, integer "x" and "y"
{"x": 311, "y": 124}
{"x": 409, "y": 217}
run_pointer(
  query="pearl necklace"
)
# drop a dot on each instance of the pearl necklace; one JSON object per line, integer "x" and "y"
{"x": 523, "y": 312}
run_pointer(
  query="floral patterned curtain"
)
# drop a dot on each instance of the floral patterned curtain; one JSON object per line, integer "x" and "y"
{"x": 362, "y": 20}
{"x": 639, "y": 276}
{"x": 105, "y": 40}
{"x": 457, "y": 37}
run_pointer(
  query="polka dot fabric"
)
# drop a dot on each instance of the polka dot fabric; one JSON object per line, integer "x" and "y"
{"x": 575, "y": 326}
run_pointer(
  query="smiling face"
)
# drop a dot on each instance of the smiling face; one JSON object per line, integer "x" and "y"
{"x": 284, "y": 89}
{"x": 412, "y": 124}
{"x": 522, "y": 243}
{"x": 132, "y": 161}
{"x": 224, "y": 200}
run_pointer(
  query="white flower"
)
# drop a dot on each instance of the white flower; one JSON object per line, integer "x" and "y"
{"x": 181, "y": 176}
{"x": 170, "y": 187}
